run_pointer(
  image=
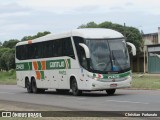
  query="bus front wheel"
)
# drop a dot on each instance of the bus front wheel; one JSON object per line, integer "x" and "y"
{"x": 110, "y": 91}
{"x": 74, "y": 88}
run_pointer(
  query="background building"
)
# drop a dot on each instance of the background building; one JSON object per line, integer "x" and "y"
{"x": 149, "y": 59}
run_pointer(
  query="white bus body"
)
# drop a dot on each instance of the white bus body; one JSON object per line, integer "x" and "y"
{"x": 82, "y": 59}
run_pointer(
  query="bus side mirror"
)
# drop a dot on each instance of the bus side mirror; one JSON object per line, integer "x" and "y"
{"x": 133, "y": 48}
{"x": 86, "y": 49}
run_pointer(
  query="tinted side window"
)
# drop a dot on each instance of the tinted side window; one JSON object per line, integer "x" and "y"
{"x": 18, "y": 52}
{"x": 47, "y": 49}
{"x": 68, "y": 48}
{"x": 22, "y": 52}
{"x": 57, "y": 50}
{"x": 52, "y": 48}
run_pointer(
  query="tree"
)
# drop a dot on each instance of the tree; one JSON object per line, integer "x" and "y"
{"x": 3, "y": 50}
{"x": 132, "y": 34}
{"x": 25, "y": 38}
{"x": 7, "y": 51}
{"x": 2, "y": 60}
{"x": 89, "y": 25}
{"x": 10, "y": 44}
{"x": 7, "y": 59}
{"x": 39, "y": 34}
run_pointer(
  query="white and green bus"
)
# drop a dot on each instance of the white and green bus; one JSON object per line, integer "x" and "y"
{"x": 80, "y": 60}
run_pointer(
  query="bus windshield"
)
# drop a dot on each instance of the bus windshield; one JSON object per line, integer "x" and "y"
{"x": 108, "y": 55}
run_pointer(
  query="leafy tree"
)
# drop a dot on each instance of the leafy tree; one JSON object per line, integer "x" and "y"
{"x": 3, "y": 50}
{"x": 3, "y": 65}
{"x": 7, "y": 51}
{"x": 10, "y": 44}
{"x": 11, "y": 59}
{"x": 89, "y": 25}
{"x": 132, "y": 34}
{"x": 25, "y": 38}
{"x": 39, "y": 34}
{"x": 7, "y": 59}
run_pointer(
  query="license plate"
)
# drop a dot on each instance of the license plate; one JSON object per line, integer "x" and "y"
{"x": 113, "y": 85}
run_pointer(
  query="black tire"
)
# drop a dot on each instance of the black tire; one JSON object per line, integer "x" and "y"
{"x": 28, "y": 86}
{"x": 110, "y": 91}
{"x": 34, "y": 86}
{"x": 74, "y": 87}
{"x": 62, "y": 91}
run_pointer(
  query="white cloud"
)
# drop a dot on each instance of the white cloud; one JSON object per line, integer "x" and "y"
{"x": 4, "y": 15}
{"x": 70, "y": 5}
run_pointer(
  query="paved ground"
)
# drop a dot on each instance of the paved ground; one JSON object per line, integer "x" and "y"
{"x": 123, "y": 100}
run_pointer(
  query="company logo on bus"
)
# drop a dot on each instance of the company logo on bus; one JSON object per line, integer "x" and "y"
{"x": 20, "y": 66}
{"x": 57, "y": 64}
{"x": 113, "y": 76}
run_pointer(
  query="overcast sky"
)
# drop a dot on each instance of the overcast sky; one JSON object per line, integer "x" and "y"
{"x": 20, "y": 18}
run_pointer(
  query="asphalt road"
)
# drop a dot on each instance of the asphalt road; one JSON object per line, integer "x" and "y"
{"x": 123, "y": 100}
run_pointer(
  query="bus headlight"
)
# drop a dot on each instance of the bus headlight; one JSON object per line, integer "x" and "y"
{"x": 95, "y": 78}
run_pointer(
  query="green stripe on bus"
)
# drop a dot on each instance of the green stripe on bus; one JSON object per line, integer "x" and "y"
{"x": 23, "y": 66}
{"x": 113, "y": 76}
{"x": 30, "y": 65}
{"x": 42, "y": 74}
{"x": 39, "y": 65}
{"x": 50, "y": 64}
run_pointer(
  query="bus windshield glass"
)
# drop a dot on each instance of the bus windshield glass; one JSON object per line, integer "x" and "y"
{"x": 108, "y": 55}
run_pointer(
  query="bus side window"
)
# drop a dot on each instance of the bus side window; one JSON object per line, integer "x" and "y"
{"x": 25, "y": 52}
{"x": 18, "y": 52}
{"x": 68, "y": 48}
{"x": 55, "y": 50}
{"x": 46, "y": 50}
{"x": 30, "y": 51}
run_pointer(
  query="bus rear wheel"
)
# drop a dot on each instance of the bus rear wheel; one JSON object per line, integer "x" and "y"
{"x": 110, "y": 91}
{"x": 74, "y": 88}
{"x": 34, "y": 87}
{"x": 28, "y": 86}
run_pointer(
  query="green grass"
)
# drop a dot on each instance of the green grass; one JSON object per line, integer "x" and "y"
{"x": 8, "y": 77}
{"x": 146, "y": 81}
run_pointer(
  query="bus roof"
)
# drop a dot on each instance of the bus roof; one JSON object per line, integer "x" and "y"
{"x": 92, "y": 33}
